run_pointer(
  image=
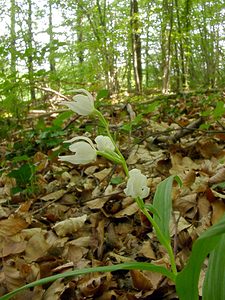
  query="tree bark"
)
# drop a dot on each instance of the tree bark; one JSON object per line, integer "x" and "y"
{"x": 30, "y": 51}
{"x": 51, "y": 40}
{"x": 13, "y": 38}
{"x": 136, "y": 45}
{"x": 166, "y": 45}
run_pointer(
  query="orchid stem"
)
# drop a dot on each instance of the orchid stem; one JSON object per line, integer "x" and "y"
{"x": 106, "y": 125}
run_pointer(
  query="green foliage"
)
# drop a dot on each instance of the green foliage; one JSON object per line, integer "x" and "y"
{"x": 25, "y": 177}
{"x": 219, "y": 110}
{"x": 116, "y": 180}
{"x": 134, "y": 124}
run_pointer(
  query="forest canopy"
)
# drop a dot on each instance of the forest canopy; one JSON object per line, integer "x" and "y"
{"x": 137, "y": 45}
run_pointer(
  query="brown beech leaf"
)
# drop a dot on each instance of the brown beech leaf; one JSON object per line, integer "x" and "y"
{"x": 127, "y": 211}
{"x": 208, "y": 148}
{"x": 54, "y": 291}
{"x": 218, "y": 177}
{"x": 189, "y": 178}
{"x": 141, "y": 281}
{"x": 101, "y": 175}
{"x": 204, "y": 206}
{"x": 54, "y": 195}
{"x": 9, "y": 246}
{"x": 12, "y": 225}
{"x": 69, "y": 226}
{"x": 36, "y": 247}
{"x": 147, "y": 250}
{"x": 13, "y": 277}
{"x": 90, "y": 284}
{"x": 186, "y": 203}
{"x": 218, "y": 208}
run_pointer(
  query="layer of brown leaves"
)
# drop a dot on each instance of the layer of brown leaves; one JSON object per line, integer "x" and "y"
{"x": 79, "y": 219}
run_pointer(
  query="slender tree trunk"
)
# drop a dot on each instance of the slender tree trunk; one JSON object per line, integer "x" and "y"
{"x": 180, "y": 43}
{"x": 51, "y": 40}
{"x": 30, "y": 51}
{"x": 13, "y": 38}
{"x": 167, "y": 27}
{"x": 136, "y": 45}
{"x": 147, "y": 56}
{"x": 186, "y": 42}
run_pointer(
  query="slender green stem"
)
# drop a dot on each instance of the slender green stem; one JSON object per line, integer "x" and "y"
{"x": 162, "y": 240}
{"x": 106, "y": 125}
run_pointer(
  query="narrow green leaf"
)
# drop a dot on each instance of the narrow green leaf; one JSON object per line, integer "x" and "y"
{"x": 124, "y": 266}
{"x": 163, "y": 205}
{"x": 213, "y": 287}
{"x": 187, "y": 279}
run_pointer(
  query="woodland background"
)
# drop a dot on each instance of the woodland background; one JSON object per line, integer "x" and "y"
{"x": 137, "y": 45}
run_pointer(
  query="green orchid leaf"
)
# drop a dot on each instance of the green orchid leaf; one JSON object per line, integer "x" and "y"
{"x": 187, "y": 279}
{"x": 213, "y": 287}
{"x": 124, "y": 266}
{"x": 163, "y": 205}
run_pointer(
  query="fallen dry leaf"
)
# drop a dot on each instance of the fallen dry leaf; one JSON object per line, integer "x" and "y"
{"x": 69, "y": 226}
{"x": 218, "y": 177}
{"x": 12, "y": 225}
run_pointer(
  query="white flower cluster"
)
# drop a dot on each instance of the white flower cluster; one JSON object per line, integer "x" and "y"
{"x": 84, "y": 149}
{"x": 86, "y": 152}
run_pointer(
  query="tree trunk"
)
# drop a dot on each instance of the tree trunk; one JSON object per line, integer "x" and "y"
{"x": 166, "y": 28}
{"x": 30, "y": 52}
{"x": 51, "y": 40}
{"x": 13, "y": 39}
{"x": 136, "y": 45}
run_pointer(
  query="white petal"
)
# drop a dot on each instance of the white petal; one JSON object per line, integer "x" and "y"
{"x": 83, "y": 151}
{"x": 84, "y": 92}
{"x": 104, "y": 143}
{"x": 80, "y": 138}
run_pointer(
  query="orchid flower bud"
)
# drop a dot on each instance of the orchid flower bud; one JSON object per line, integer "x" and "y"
{"x": 137, "y": 185}
{"x": 104, "y": 143}
{"x": 84, "y": 149}
{"x": 81, "y": 104}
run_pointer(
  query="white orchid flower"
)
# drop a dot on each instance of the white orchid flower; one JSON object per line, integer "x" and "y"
{"x": 104, "y": 143}
{"x": 81, "y": 104}
{"x": 137, "y": 185}
{"x": 84, "y": 149}
{"x": 86, "y": 152}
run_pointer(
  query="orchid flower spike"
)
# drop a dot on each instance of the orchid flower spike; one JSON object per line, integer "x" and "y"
{"x": 137, "y": 185}
{"x": 81, "y": 104}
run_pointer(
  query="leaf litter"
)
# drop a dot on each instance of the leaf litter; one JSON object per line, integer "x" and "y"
{"x": 80, "y": 217}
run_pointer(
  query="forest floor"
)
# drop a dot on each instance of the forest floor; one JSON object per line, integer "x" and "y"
{"x": 56, "y": 217}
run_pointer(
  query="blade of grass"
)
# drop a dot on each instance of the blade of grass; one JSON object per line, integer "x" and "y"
{"x": 187, "y": 279}
{"x": 124, "y": 266}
